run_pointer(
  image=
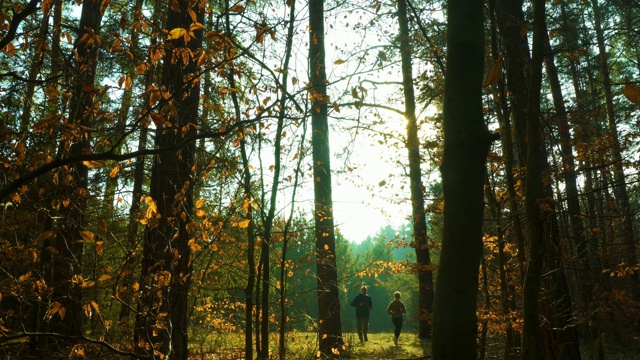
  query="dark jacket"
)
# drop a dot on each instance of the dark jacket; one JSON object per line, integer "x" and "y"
{"x": 363, "y": 305}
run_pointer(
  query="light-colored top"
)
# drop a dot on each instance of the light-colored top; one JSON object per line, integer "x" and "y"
{"x": 396, "y": 308}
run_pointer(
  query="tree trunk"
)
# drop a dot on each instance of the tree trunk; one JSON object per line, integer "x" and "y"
{"x": 512, "y": 27}
{"x": 73, "y": 181}
{"x": 421, "y": 240}
{"x": 509, "y": 153}
{"x": 166, "y": 266}
{"x": 466, "y": 145}
{"x": 627, "y": 245}
{"x": 330, "y": 328}
{"x": 537, "y": 209}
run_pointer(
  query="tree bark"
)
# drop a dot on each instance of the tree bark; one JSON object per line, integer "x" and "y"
{"x": 628, "y": 243}
{"x": 512, "y": 27}
{"x": 536, "y": 205}
{"x": 166, "y": 265}
{"x": 72, "y": 189}
{"x": 421, "y": 239}
{"x": 330, "y": 328}
{"x": 466, "y": 145}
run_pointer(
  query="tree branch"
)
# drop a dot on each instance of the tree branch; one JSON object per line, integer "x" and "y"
{"x": 13, "y": 186}
{"x": 15, "y": 22}
{"x": 4, "y": 337}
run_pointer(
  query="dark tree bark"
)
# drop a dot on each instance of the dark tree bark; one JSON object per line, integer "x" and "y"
{"x": 166, "y": 265}
{"x": 72, "y": 189}
{"x": 628, "y": 242}
{"x": 537, "y": 209}
{"x": 330, "y": 328}
{"x": 421, "y": 239}
{"x": 512, "y": 27}
{"x": 466, "y": 145}
{"x": 508, "y": 149}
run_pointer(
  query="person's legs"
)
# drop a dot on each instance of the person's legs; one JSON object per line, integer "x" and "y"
{"x": 360, "y": 325}
{"x": 397, "y": 323}
{"x": 365, "y": 328}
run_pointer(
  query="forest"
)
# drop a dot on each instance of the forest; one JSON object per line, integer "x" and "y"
{"x": 178, "y": 178}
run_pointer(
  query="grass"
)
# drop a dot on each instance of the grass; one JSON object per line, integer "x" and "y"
{"x": 304, "y": 346}
{"x": 380, "y": 346}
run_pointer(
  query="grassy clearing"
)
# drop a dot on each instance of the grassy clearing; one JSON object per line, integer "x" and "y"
{"x": 304, "y": 346}
{"x": 380, "y": 346}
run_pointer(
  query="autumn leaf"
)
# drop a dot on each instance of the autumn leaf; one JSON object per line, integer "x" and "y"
{"x": 95, "y": 307}
{"x": 92, "y": 164}
{"x": 104, "y": 277}
{"x": 632, "y": 92}
{"x": 87, "y": 236}
{"x": 494, "y": 75}
{"x": 45, "y": 235}
{"x": 339, "y": 62}
{"x": 199, "y": 203}
{"x": 176, "y": 33}
{"x": 244, "y": 223}
{"x": 56, "y": 308}
{"x": 237, "y": 8}
{"x": 336, "y": 107}
{"x": 114, "y": 172}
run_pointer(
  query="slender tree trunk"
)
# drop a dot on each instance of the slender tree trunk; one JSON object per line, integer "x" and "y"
{"x": 537, "y": 206}
{"x": 628, "y": 245}
{"x": 507, "y": 291}
{"x": 510, "y": 163}
{"x": 166, "y": 266}
{"x": 421, "y": 240}
{"x": 73, "y": 181}
{"x": 512, "y": 27}
{"x": 466, "y": 145}
{"x": 330, "y": 327}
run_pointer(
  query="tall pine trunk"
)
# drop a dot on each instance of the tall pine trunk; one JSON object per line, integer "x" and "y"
{"x": 329, "y": 322}
{"x": 421, "y": 240}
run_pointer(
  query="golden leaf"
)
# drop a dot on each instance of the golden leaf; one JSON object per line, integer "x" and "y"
{"x": 336, "y": 107}
{"x": 237, "y": 8}
{"x": 495, "y": 74}
{"x": 104, "y": 277}
{"x": 199, "y": 203}
{"x": 25, "y": 276}
{"x": 632, "y": 92}
{"x": 339, "y": 62}
{"x": 87, "y": 310}
{"x": 44, "y": 235}
{"x": 92, "y": 164}
{"x": 87, "y": 236}
{"x": 176, "y": 33}
{"x": 244, "y": 223}
{"x": 95, "y": 306}
{"x": 114, "y": 172}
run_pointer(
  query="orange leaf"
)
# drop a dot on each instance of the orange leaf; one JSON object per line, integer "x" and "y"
{"x": 632, "y": 92}
{"x": 495, "y": 74}
{"x": 114, "y": 172}
{"x": 176, "y": 33}
{"x": 237, "y": 8}
{"x": 92, "y": 164}
{"x": 87, "y": 236}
